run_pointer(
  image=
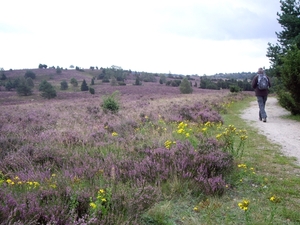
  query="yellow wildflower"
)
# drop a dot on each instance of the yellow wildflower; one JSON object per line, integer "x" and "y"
{"x": 93, "y": 205}
{"x": 114, "y": 134}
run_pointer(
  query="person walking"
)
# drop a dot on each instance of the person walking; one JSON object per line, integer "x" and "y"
{"x": 261, "y": 84}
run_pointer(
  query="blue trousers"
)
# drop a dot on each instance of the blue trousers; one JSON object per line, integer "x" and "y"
{"x": 262, "y": 104}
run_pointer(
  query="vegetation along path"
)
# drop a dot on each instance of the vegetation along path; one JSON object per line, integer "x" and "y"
{"x": 278, "y": 129}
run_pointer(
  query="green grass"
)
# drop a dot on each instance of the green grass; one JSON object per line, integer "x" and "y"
{"x": 268, "y": 173}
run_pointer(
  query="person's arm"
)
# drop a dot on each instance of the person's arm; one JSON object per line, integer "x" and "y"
{"x": 254, "y": 82}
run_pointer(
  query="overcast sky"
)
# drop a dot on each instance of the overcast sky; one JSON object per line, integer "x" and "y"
{"x": 181, "y": 37}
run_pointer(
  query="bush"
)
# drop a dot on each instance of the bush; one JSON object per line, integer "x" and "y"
{"x": 30, "y": 74}
{"x": 74, "y": 82}
{"x": 64, "y": 85}
{"x": 47, "y": 90}
{"x": 111, "y": 103}
{"x": 29, "y": 82}
{"x": 185, "y": 87}
{"x": 84, "y": 86}
{"x": 58, "y": 70}
{"x": 92, "y": 90}
{"x": 23, "y": 89}
{"x": 234, "y": 88}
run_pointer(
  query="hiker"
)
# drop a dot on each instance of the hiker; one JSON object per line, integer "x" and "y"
{"x": 261, "y": 84}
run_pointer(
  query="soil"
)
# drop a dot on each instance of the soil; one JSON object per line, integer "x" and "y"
{"x": 277, "y": 129}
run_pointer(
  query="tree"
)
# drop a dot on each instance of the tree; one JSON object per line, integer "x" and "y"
{"x": 84, "y": 86}
{"x": 47, "y": 90}
{"x": 23, "y": 89}
{"x": 289, "y": 95}
{"x": 29, "y": 73}
{"x": 113, "y": 81}
{"x": 58, "y": 70}
{"x": 29, "y": 82}
{"x": 74, "y": 82}
{"x": 185, "y": 87}
{"x": 283, "y": 65}
{"x": 63, "y": 85}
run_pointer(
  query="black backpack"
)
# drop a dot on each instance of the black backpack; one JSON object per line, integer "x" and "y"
{"x": 263, "y": 82}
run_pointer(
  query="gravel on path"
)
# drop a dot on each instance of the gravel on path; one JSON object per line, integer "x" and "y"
{"x": 279, "y": 130}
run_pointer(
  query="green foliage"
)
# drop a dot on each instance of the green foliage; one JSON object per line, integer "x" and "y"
{"x": 185, "y": 87}
{"x": 23, "y": 88}
{"x": 64, "y": 85}
{"x": 234, "y": 88}
{"x": 74, "y": 82}
{"x": 58, "y": 70}
{"x": 47, "y": 90}
{"x": 93, "y": 81}
{"x": 285, "y": 54}
{"x": 9, "y": 85}
{"x": 138, "y": 81}
{"x": 3, "y": 76}
{"x": 111, "y": 103}
{"x": 113, "y": 81}
{"x": 92, "y": 90}
{"x": 30, "y": 74}
{"x": 84, "y": 86}
{"x": 29, "y": 82}
{"x": 42, "y": 66}
{"x": 289, "y": 96}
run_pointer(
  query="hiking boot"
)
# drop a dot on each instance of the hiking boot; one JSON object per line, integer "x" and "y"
{"x": 264, "y": 120}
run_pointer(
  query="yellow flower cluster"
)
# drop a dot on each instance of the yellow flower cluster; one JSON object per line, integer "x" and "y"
{"x": 244, "y": 205}
{"x": 182, "y": 129}
{"x": 101, "y": 202}
{"x": 29, "y": 184}
{"x": 169, "y": 143}
{"x": 274, "y": 199}
{"x": 114, "y": 134}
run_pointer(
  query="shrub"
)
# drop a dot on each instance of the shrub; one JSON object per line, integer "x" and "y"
{"x": 92, "y": 90}
{"x": 47, "y": 90}
{"x": 185, "y": 87}
{"x": 234, "y": 88}
{"x": 23, "y": 89}
{"x": 29, "y": 82}
{"x": 111, "y": 103}
{"x": 74, "y": 82}
{"x": 30, "y": 74}
{"x": 84, "y": 86}
{"x": 64, "y": 85}
{"x": 113, "y": 81}
{"x": 58, "y": 70}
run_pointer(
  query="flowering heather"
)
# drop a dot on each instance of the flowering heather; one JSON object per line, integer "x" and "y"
{"x": 56, "y": 155}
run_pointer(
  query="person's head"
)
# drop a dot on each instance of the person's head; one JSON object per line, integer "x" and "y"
{"x": 260, "y": 71}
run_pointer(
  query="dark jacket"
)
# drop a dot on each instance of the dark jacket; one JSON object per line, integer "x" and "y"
{"x": 257, "y": 91}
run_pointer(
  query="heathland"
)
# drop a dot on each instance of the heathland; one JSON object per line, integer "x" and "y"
{"x": 159, "y": 157}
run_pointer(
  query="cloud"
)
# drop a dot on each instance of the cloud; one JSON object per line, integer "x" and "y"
{"x": 188, "y": 37}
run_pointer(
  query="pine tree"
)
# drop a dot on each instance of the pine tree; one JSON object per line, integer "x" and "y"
{"x": 84, "y": 86}
{"x": 47, "y": 90}
{"x": 284, "y": 56}
{"x": 185, "y": 87}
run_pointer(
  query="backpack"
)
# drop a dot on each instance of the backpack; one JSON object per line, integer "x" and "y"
{"x": 263, "y": 82}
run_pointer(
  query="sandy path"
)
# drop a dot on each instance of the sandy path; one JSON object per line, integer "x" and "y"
{"x": 281, "y": 131}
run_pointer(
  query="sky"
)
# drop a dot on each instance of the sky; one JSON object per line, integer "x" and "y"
{"x": 202, "y": 37}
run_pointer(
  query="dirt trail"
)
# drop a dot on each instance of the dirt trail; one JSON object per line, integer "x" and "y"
{"x": 281, "y": 131}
